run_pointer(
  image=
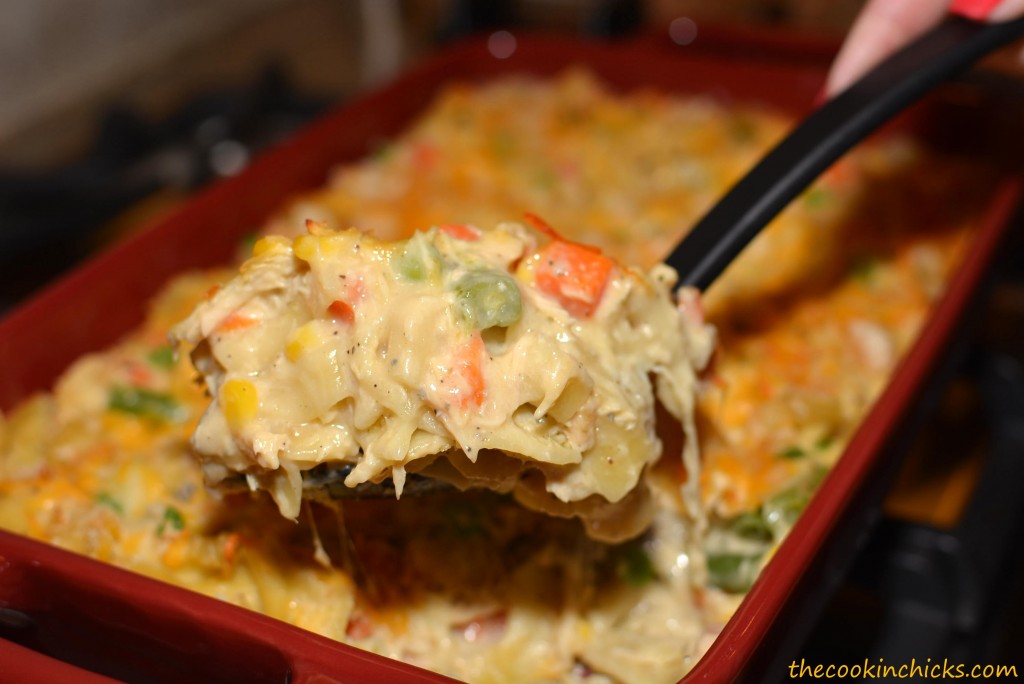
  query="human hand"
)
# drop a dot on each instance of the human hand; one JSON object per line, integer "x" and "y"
{"x": 884, "y": 26}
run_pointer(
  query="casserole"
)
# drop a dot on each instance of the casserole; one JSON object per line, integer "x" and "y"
{"x": 237, "y": 206}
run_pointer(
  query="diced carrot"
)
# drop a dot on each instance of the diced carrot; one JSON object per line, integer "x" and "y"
{"x": 466, "y": 378}
{"x": 235, "y": 321}
{"x": 460, "y": 231}
{"x": 573, "y": 274}
{"x": 342, "y": 311}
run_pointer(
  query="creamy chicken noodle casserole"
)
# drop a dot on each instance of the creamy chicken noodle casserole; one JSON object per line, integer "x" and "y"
{"x": 525, "y": 364}
{"x": 410, "y": 317}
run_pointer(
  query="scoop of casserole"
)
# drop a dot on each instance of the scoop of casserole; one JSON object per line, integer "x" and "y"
{"x": 508, "y": 358}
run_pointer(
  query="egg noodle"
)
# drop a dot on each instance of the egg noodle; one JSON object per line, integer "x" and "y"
{"x": 480, "y": 357}
{"x": 810, "y": 323}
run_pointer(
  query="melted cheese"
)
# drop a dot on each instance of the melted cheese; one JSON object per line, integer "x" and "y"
{"x": 470, "y": 584}
{"x": 526, "y": 364}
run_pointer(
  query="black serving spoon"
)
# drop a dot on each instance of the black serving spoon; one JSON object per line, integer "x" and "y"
{"x": 826, "y": 135}
{"x": 777, "y": 179}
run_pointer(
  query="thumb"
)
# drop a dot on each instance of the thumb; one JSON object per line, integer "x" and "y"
{"x": 882, "y": 27}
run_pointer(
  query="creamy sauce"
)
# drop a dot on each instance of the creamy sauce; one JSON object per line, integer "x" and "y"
{"x": 507, "y": 358}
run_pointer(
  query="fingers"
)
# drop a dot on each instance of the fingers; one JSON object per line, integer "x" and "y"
{"x": 988, "y": 10}
{"x": 882, "y": 27}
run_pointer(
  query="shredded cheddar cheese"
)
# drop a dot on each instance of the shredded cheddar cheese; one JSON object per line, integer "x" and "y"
{"x": 811, "y": 320}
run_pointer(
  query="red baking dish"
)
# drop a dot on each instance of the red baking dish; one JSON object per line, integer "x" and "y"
{"x": 75, "y": 619}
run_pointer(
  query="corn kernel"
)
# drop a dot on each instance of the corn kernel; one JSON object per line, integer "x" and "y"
{"x": 265, "y": 244}
{"x": 240, "y": 401}
{"x": 302, "y": 340}
{"x": 306, "y": 247}
{"x": 583, "y": 630}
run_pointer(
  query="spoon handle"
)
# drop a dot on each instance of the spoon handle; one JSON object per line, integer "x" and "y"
{"x": 826, "y": 135}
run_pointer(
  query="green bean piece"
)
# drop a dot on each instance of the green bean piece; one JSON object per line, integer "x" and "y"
{"x": 106, "y": 499}
{"x": 173, "y": 519}
{"x": 792, "y": 452}
{"x": 145, "y": 403}
{"x": 635, "y": 566}
{"x": 752, "y": 527}
{"x": 864, "y": 268}
{"x": 733, "y": 572}
{"x": 162, "y": 357}
{"x": 782, "y": 510}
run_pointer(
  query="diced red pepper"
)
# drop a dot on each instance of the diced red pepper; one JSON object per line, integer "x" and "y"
{"x": 574, "y": 274}
{"x": 424, "y": 156}
{"x": 355, "y": 289}
{"x": 541, "y": 225}
{"x": 139, "y": 374}
{"x": 488, "y": 626}
{"x": 359, "y": 626}
{"x": 316, "y": 227}
{"x": 342, "y": 311}
{"x": 460, "y": 231}
{"x": 236, "y": 321}
{"x": 230, "y": 547}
